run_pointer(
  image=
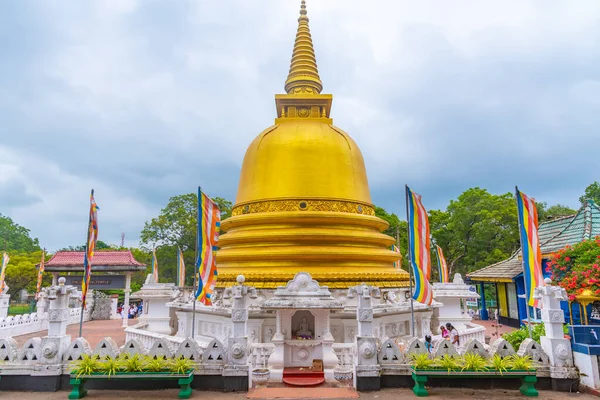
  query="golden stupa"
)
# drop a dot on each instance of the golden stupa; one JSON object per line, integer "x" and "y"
{"x": 303, "y": 201}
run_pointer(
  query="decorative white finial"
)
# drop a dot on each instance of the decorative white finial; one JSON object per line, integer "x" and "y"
{"x": 547, "y": 281}
{"x": 61, "y": 281}
{"x": 240, "y": 279}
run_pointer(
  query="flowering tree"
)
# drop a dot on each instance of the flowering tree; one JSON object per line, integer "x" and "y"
{"x": 577, "y": 268}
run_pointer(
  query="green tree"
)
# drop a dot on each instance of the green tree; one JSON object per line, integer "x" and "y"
{"x": 100, "y": 245}
{"x": 546, "y": 213}
{"x": 225, "y": 206}
{"x": 15, "y": 237}
{"x": 592, "y": 192}
{"x": 476, "y": 230}
{"x": 559, "y": 210}
{"x": 391, "y": 219}
{"x": 175, "y": 227}
{"x": 176, "y": 224}
{"x": 21, "y": 272}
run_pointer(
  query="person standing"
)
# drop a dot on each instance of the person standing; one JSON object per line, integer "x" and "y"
{"x": 454, "y": 339}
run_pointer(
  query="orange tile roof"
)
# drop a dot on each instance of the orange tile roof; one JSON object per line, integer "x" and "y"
{"x": 107, "y": 258}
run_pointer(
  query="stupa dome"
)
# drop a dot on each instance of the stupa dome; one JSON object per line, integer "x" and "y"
{"x": 303, "y": 201}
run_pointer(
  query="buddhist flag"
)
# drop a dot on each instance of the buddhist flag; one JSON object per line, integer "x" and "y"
{"x": 154, "y": 266}
{"x": 419, "y": 245}
{"x": 209, "y": 223}
{"x": 395, "y": 249}
{"x": 442, "y": 265}
{"x": 180, "y": 268}
{"x": 5, "y": 259}
{"x": 530, "y": 245}
{"x": 40, "y": 275}
{"x": 90, "y": 247}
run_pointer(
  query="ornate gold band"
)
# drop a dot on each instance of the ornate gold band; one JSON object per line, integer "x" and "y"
{"x": 303, "y": 205}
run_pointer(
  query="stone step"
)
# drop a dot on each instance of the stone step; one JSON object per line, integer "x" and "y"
{"x": 303, "y": 381}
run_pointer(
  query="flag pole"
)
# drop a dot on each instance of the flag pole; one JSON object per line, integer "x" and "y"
{"x": 523, "y": 265}
{"x": 410, "y": 267}
{"x": 196, "y": 266}
{"x": 87, "y": 242}
{"x": 437, "y": 257}
{"x": 399, "y": 266}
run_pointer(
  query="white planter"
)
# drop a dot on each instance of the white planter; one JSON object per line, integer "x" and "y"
{"x": 343, "y": 375}
{"x": 260, "y": 376}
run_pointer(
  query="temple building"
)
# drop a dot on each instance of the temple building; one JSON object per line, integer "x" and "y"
{"x": 305, "y": 242}
{"x": 111, "y": 269}
{"x": 507, "y": 275}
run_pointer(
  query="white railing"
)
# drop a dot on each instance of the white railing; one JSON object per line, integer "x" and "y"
{"x": 472, "y": 331}
{"x": 345, "y": 353}
{"x": 260, "y": 353}
{"x": 25, "y": 324}
{"x": 147, "y": 338}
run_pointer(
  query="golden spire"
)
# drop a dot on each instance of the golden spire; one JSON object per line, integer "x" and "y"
{"x": 303, "y": 76}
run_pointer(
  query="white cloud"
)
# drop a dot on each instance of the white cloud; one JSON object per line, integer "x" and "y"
{"x": 143, "y": 100}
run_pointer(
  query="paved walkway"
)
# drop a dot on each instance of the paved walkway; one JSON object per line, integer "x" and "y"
{"x": 386, "y": 394}
{"x": 93, "y": 331}
{"x": 491, "y": 330}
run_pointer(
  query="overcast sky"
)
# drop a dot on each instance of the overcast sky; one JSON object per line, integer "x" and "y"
{"x": 143, "y": 100}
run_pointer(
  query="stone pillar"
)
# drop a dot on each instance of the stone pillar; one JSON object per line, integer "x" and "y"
{"x": 114, "y": 299}
{"x": 4, "y": 303}
{"x": 367, "y": 368}
{"x": 126, "y": 300}
{"x": 484, "y": 312}
{"x": 42, "y": 303}
{"x": 235, "y": 372}
{"x": 554, "y": 344}
{"x": 56, "y": 343}
{"x": 54, "y": 278}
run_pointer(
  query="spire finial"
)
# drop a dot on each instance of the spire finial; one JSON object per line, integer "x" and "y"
{"x": 304, "y": 75}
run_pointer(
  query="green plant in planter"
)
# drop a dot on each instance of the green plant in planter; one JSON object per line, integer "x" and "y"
{"x": 110, "y": 366}
{"x": 86, "y": 366}
{"x": 474, "y": 362}
{"x": 152, "y": 364}
{"x": 449, "y": 363}
{"x": 421, "y": 361}
{"x": 132, "y": 363}
{"x": 521, "y": 362}
{"x": 181, "y": 365}
{"x": 499, "y": 364}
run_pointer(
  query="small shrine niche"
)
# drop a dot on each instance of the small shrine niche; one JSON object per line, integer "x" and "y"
{"x": 303, "y": 325}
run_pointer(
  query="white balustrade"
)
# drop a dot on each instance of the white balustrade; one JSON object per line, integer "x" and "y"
{"x": 260, "y": 353}
{"x": 346, "y": 354}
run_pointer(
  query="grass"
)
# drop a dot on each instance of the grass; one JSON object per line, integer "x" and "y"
{"x": 110, "y": 366}
{"x": 19, "y": 309}
{"x": 472, "y": 362}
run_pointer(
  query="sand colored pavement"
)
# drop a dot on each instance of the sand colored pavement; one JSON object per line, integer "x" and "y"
{"x": 386, "y": 394}
{"x": 93, "y": 332}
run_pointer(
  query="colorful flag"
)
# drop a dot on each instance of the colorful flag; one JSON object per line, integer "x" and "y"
{"x": 442, "y": 265}
{"x": 209, "y": 223}
{"x": 419, "y": 245}
{"x": 5, "y": 259}
{"x": 530, "y": 245}
{"x": 92, "y": 237}
{"x": 395, "y": 249}
{"x": 40, "y": 275}
{"x": 180, "y": 269}
{"x": 154, "y": 266}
